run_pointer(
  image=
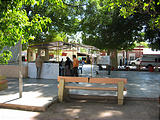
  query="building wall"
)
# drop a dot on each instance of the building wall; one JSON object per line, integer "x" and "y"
{"x": 12, "y": 71}
{"x": 119, "y": 56}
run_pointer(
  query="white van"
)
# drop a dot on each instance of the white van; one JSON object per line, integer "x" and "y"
{"x": 150, "y": 60}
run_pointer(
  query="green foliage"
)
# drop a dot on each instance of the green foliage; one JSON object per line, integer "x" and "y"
{"x": 83, "y": 50}
{"x": 36, "y": 21}
{"x": 15, "y": 25}
{"x": 106, "y": 24}
{"x": 130, "y": 7}
{"x": 5, "y": 57}
{"x": 63, "y": 20}
{"x": 141, "y": 44}
{"x": 106, "y": 29}
{"x": 153, "y": 38}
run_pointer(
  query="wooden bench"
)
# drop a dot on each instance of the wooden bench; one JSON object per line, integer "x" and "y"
{"x": 63, "y": 88}
{"x": 3, "y": 83}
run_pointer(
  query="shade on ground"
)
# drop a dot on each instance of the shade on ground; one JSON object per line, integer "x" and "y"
{"x": 39, "y": 92}
{"x": 132, "y": 110}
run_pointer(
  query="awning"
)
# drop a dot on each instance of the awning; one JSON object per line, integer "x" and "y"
{"x": 61, "y": 45}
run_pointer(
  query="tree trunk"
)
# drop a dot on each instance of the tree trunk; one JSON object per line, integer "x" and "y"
{"x": 39, "y": 51}
{"x": 20, "y": 70}
{"x": 127, "y": 56}
{"x": 108, "y": 52}
{"x": 114, "y": 62}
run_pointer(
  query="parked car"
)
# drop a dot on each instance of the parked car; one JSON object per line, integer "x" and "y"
{"x": 135, "y": 62}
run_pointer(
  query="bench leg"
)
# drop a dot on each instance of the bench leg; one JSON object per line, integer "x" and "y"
{"x": 120, "y": 92}
{"x": 61, "y": 90}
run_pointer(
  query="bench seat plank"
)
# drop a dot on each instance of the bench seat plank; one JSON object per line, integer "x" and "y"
{"x": 74, "y": 79}
{"x": 107, "y": 80}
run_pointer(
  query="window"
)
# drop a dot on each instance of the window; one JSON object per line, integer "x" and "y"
{"x": 138, "y": 59}
{"x": 23, "y": 58}
{"x": 131, "y": 57}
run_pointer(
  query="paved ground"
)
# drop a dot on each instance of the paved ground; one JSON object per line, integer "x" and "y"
{"x": 132, "y": 110}
{"x": 36, "y": 92}
{"x": 101, "y": 111}
{"x": 39, "y": 92}
{"x": 140, "y": 84}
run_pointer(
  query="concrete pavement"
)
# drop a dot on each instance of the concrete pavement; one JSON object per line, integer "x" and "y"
{"x": 41, "y": 92}
{"x": 37, "y": 93}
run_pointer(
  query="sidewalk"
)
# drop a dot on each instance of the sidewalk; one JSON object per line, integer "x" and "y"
{"x": 38, "y": 94}
{"x": 140, "y": 84}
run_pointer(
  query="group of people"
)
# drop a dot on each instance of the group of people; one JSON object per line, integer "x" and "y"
{"x": 71, "y": 68}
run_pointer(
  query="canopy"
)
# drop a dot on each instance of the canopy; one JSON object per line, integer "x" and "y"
{"x": 61, "y": 45}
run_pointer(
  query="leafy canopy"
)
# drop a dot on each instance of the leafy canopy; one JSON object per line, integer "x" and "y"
{"x": 15, "y": 25}
{"x": 107, "y": 24}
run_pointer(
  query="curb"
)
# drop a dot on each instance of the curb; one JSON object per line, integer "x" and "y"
{"x": 27, "y": 107}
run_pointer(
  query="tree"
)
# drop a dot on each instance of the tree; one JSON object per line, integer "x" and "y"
{"x": 99, "y": 21}
{"x": 94, "y": 10}
{"x": 149, "y": 7}
{"x": 108, "y": 30}
{"x": 63, "y": 20}
{"x": 127, "y": 8}
{"x": 15, "y": 25}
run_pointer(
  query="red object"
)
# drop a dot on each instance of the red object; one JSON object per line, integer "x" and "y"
{"x": 112, "y": 68}
{"x": 151, "y": 69}
{"x": 64, "y": 54}
{"x": 127, "y": 68}
{"x": 51, "y": 55}
{"x": 103, "y": 53}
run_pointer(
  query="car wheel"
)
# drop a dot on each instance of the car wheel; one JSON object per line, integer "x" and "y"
{"x": 133, "y": 64}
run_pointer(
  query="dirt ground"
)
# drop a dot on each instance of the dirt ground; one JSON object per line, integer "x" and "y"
{"x": 80, "y": 110}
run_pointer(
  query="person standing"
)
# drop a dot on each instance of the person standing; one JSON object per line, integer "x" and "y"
{"x": 39, "y": 66}
{"x": 68, "y": 63}
{"x": 120, "y": 62}
{"x": 109, "y": 69}
{"x": 75, "y": 66}
{"x": 125, "y": 62}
